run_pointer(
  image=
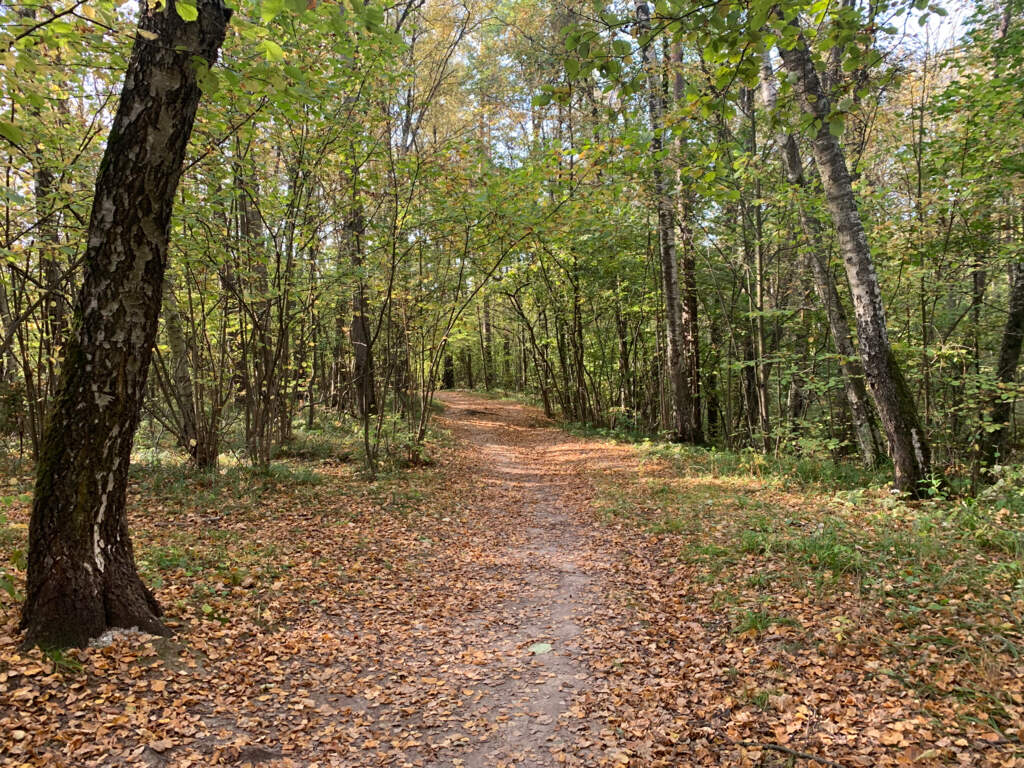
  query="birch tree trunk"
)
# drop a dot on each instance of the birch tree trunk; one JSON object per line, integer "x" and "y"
{"x": 81, "y": 567}
{"x": 868, "y": 440}
{"x": 908, "y": 445}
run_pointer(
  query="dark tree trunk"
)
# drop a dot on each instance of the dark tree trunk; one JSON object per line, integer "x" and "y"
{"x": 687, "y": 272}
{"x": 81, "y": 567}
{"x": 53, "y": 328}
{"x": 179, "y": 384}
{"x": 467, "y": 366}
{"x": 486, "y": 339}
{"x": 714, "y": 409}
{"x": 364, "y": 375}
{"x": 587, "y": 414}
{"x": 993, "y": 443}
{"x": 448, "y": 377}
{"x": 752, "y": 221}
{"x": 625, "y": 389}
{"x": 908, "y": 444}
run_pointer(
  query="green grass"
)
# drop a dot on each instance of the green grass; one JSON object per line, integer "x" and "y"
{"x": 757, "y": 622}
{"x": 782, "y": 470}
{"x": 829, "y": 548}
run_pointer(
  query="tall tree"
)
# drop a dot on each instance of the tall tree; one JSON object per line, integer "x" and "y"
{"x": 81, "y": 569}
{"x": 688, "y": 268}
{"x": 684, "y": 427}
{"x": 992, "y": 443}
{"x": 868, "y": 439}
{"x": 908, "y": 445}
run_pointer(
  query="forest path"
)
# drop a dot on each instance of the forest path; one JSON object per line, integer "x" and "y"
{"x": 533, "y": 599}
{"x": 524, "y": 478}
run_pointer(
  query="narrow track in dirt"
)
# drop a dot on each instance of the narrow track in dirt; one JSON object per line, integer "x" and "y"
{"x": 538, "y": 672}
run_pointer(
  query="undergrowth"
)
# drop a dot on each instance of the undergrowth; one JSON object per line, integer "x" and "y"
{"x": 939, "y": 583}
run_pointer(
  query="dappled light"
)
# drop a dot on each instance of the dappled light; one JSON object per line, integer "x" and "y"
{"x": 519, "y": 384}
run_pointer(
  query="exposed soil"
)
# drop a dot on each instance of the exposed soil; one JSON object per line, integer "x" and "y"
{"x": 545, "y": 540}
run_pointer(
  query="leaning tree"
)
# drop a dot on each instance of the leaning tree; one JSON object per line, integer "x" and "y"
{"x": 81, "y": 568}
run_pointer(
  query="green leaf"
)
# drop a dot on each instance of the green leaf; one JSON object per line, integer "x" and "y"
{"x": 270, "y": 9}
{"x": 538, "y": 648}
{"x": 373, "y": 17}
{"x": 272, "y": 50}
{"x": 208, "y": 80}
{"x": 12, "y": 133}
{"x": 186, "y": 9}
{"x": 621, "y": 47}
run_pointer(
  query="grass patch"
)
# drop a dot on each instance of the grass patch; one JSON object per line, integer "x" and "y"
{"x": 756, "y": 622}
{"x": 782, "y": 470}
{"x": 941, "y": 579}
{"x": 829, "y": 548}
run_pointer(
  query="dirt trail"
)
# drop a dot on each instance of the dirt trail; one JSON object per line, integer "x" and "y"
{"x": 539, "y": 672}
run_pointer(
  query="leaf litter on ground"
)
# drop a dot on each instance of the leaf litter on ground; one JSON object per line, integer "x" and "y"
{"x": 669, "y": 618}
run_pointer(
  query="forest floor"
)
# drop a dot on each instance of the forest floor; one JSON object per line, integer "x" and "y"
{"x": 533, "y": 599}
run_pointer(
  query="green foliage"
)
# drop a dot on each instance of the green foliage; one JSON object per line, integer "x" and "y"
{"x": 756, "y": 622}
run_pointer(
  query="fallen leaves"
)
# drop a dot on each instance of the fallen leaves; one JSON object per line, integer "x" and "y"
{"x": 416, "y": 623}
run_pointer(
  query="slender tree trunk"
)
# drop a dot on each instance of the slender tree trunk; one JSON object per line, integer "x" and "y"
{"x": 625, "y": 389}
{"x": 8, "y": 331}
{"x": 682, "y": 426}
{"x": 364, "y": 374}
{"x": 869, "y": 442}
{"x": 688, "y": 273}
{"x": 993, "y": 443}
{"x": 314, "y": 370}
{"x": 908, "y": 444}
{"x": 586, "y": 412}
{"x": 180, "y": 379}
{"x": 486, "y": 343}
{"x": 53, "y": 328}
{"x": 467, "y": 366}
{"x": 754, "y": 246}
{"x": 81, "y": 567}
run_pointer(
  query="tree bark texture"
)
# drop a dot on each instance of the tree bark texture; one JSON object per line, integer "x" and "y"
{"x": 81, "y": 568}
{"x": 868, "y": 440}
{"x": 908, "y": 445}
{"x": 363, "y": 374}
{"x": 688, "y": 276}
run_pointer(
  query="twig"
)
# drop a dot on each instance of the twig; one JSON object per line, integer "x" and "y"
{"x": 787, "y": 751}
{"x": 984, "y": 744}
